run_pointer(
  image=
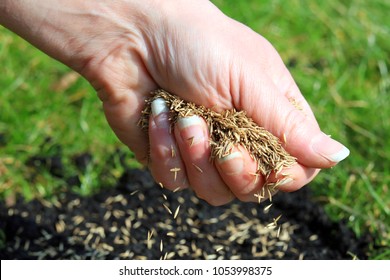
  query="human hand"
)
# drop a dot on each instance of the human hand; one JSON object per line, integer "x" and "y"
{"x": 193, "y": 50}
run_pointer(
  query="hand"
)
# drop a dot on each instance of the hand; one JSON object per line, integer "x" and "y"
{"x": 191, "y": 49}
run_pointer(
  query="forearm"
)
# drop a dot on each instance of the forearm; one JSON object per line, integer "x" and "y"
{"x": 64, "y": 29}
{"x": 41, "y": 23}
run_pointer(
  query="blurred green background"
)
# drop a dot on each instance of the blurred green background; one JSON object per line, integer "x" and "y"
{"x": 337, "y": 51}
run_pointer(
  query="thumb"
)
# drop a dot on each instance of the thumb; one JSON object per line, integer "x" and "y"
{"x": 288, "y": 116}
{"x": 303, "y": 138}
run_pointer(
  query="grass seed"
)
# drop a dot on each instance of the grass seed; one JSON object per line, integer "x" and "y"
{"x": 197, "y": 168}
{"x": 175, "y": 170}
{"x": 227, "y": 129}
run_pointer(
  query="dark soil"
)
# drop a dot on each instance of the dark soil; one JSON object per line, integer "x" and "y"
{"x": 130, "y": 221}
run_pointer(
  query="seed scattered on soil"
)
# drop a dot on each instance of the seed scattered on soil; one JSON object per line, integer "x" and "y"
{"x": 161, "y": 246}
{"x": 167, "y": 208}
{"x": 278, "y": 233}
{"x": 134, "y": 192}
{"x": 219, "y": 249}
{"x": 176, "y": 212}
{"x": 227, "y": 130}
{"x": 112, "y": 224}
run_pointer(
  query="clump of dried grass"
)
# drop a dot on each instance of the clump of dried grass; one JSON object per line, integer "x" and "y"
{"x": 228, "y": 129}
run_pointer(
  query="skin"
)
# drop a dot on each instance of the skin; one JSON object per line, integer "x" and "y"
{"x": 126, "y": 49}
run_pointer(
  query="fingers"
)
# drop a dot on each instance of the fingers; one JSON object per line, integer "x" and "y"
{"x": 303, "y": 137}
{"x": 165, "y": 160}
{"x": 122, "y": 84}
{"x": 124, "y": 122}
{"x": 192, "y": 138}
{"x": 180, "y": 158}
{"x": 239, "y": 171}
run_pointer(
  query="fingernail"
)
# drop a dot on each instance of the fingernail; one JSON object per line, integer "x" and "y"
{"x": 329, "y": 148}
{"x": 158, "y": 108}
{"x": 231, "y": 164}
{"x": 191, "y": 129}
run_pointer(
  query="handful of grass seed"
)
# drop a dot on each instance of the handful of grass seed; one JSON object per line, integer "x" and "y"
{"x": 228, "y": 129}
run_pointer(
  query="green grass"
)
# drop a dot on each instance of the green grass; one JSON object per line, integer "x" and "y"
{"x": 44, "y": 106}
{"x": 338, "y": 52}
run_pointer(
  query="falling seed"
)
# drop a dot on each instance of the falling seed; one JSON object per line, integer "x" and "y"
{"x": 161, "y": 185}
{"x": 167, "y": 208}
{"x": 176, "y": 189}
{"x": 269, "y": 194}
{"x": 165, "y": 197}
{"x": 277, "y": 219}
{"x": 175, "y": 170}
{"x": 161, "y": 245}
{"x": 259, "y": 197}
{"x": 278, "y": 233}
{"x": 266, "y": 209}
{"x": 197, "y": 168}
{"x": 176, "y": 212}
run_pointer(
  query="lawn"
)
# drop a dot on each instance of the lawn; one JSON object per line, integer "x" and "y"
{"x": 338, "y": 52}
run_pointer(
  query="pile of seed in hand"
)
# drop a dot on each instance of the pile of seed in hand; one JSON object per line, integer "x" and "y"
{"x": 228, "y": 129}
